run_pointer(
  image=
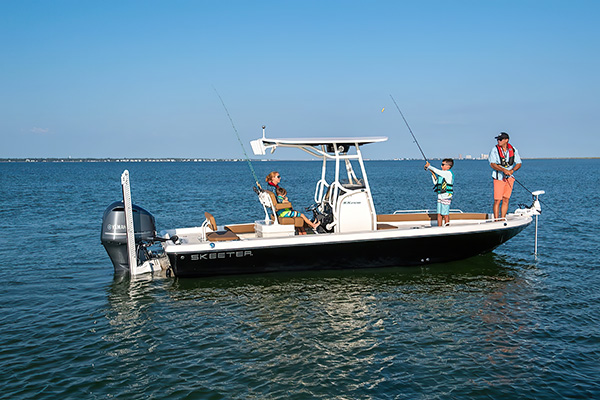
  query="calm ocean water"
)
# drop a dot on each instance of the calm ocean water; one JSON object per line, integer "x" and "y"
{"x": 497, "y": 326}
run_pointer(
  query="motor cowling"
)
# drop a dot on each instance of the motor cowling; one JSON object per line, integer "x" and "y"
{"x": 114, "y": 232}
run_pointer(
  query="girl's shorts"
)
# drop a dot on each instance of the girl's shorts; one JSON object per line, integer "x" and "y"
{"x": 288, "y": 214}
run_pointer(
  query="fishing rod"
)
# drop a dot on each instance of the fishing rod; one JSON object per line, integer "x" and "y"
{"x": 238, "y": 138}
{"x": 410, "y": 130}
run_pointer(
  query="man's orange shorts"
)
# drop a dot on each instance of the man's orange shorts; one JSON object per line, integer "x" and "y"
{"x": 503, "y": 189}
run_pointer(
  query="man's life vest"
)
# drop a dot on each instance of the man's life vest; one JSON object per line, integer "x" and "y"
{"x": 504, "y": 160}
{"x": 442, "y": 186}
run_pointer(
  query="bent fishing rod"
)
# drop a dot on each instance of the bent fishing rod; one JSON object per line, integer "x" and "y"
{"x": 238, "y": 138}
{"x": 410, "y": 130}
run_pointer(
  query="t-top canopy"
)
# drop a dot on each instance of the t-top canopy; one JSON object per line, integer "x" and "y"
{"x": 259, "y": 146}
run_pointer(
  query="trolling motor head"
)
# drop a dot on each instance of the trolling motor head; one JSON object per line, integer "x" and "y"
{"x": 536, "y": 202}
{"x": 535, "y": 208}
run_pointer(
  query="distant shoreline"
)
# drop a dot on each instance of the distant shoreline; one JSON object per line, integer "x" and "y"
{"x": 143, "y": 159}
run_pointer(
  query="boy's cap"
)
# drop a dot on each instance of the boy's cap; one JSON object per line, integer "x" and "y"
{"x": 502, "y": 136}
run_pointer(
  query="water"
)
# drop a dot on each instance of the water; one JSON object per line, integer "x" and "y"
{"x": 502, "y": 325}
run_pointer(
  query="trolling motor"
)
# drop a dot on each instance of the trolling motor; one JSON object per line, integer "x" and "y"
{"x": 534, "y": 209}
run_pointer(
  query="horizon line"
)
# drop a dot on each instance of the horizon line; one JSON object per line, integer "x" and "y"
{"x": 237, "y": 159}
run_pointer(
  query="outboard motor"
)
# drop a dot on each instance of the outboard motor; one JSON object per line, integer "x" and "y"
{"x": 114, "y": 233}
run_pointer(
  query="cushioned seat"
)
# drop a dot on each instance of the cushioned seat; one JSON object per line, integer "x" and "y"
{"x": 296, "y": 221}
{"x": 385, "y": 226}
{"x": 218, "y": 236}
{"x": 241, "y": 228}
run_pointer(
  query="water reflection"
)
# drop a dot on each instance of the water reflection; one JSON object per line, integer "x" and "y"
{"x": 132, "y": 311}
{"x": 364, "y": 328}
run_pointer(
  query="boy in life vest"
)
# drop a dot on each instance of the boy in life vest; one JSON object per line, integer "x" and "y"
{"x": 443, "y": 181}
{"x": 504, "y": 160}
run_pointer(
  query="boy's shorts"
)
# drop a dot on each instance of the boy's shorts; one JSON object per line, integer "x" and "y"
{"x": 443, "y": 206}
{"x": 503, "y": 188}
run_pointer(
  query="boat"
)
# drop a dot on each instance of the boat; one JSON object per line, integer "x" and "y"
{"x": 351, "y": 233}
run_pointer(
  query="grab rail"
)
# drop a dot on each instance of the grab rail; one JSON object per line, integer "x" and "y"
{"x": 456, "y": 211}
{"x": 319, "y": 192}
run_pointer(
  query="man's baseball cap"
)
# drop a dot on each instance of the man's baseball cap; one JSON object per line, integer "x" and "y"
{"x": 502, "y": 136}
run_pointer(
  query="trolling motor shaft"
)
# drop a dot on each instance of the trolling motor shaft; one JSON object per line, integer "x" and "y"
{"x": 535, "y": 209}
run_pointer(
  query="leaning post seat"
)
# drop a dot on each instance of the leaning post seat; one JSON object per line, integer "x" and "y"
{"x": 215, "y": 235}
{"x": 296, "y": 221}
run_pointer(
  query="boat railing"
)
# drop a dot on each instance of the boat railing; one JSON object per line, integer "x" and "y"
{"x": 334, "y": 190}
{"x": 320, "y": 190}
{"x": 454, "y": 211}
{"x": 203, "y": 230}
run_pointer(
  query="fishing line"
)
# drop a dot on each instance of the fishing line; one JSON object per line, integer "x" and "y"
{"x": 523, "y": 186}
{"x": 546, "y": 205}
{"x": 410, "y": 130}
{"x": 238, "y": 138}
{"x": 423, "y": 154}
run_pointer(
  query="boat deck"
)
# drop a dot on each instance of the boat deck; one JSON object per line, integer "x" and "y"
{"x": 400, "y": 221}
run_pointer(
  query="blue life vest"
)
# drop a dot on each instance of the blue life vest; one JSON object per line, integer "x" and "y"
{"x": 442, "y": 186}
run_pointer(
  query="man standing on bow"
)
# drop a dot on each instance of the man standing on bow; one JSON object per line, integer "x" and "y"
{"x": 504, "y": 160}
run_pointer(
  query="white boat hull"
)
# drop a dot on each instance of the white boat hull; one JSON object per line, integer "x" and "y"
{"x": 401, "y": 246}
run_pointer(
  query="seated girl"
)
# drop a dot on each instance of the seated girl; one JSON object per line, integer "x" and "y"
{"x": 288, "y": 212}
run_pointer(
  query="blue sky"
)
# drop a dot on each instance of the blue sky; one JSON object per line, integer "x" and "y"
{"x": 135, "y": 78}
